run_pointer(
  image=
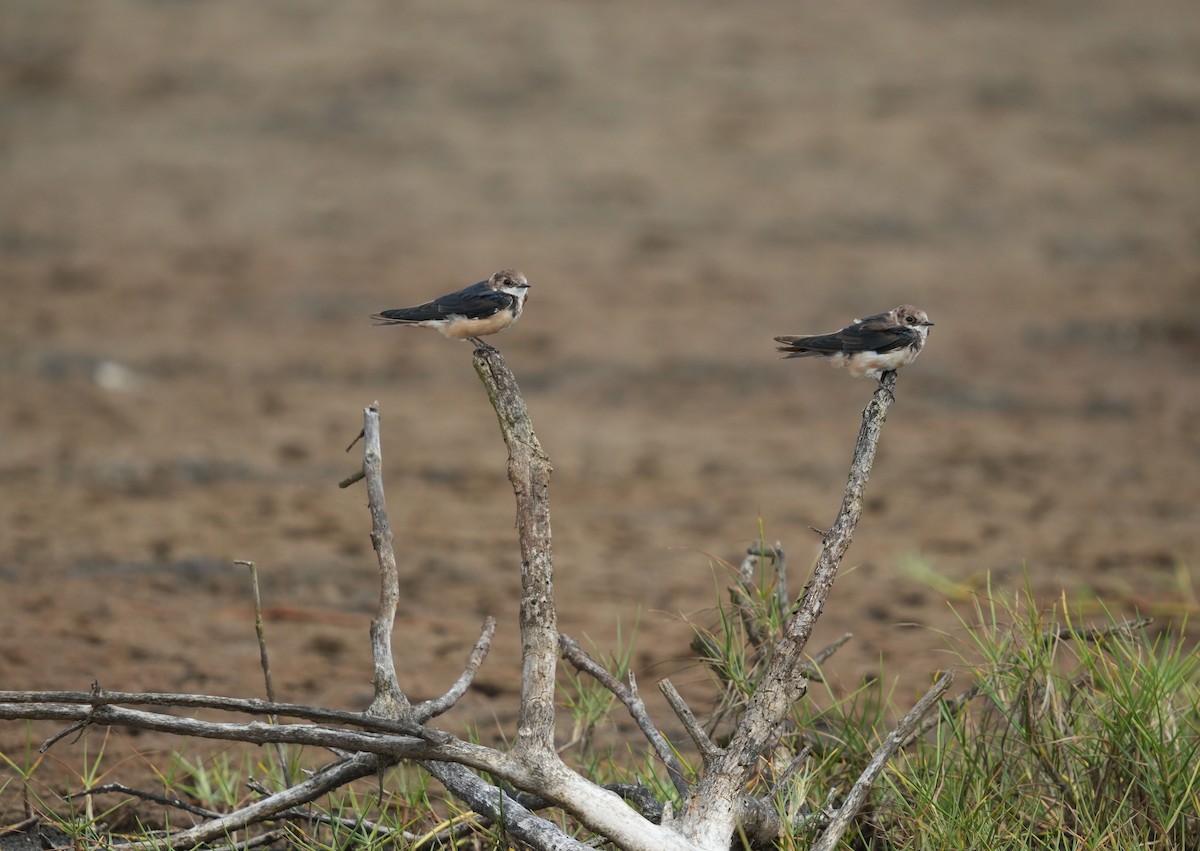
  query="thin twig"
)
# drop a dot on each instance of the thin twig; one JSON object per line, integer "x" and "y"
{"x": 268, "y": 838}
{"x": 743, "y": 597}
{"x": 362, "y": 765}
{"x": 83, "y": 722}
{"x": 857, "y": 795}
{"x": 708, "y": 751}
{"x": 805, "y": 821}
{"x": 433, "y": 707}
{"x": 781, "y": 585}
{"x": 315, "y": 817}
{"x": 164, "y": 800}
{"x": 812, "y": 668}
{"x": 632, "y": 700}
{"x": 259, "y": 630}
{"x": 285, "y": 767}
{"x": 23, "y": 826}
{"x": 255, "y": 732}
{"x": 791, "y": 768}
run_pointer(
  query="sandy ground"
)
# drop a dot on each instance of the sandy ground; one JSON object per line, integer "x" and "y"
{"x": 202, "y": 204}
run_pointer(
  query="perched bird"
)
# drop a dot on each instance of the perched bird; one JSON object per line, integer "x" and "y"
{"x": 487, "y": 307}
{"x": 869, "y": 346}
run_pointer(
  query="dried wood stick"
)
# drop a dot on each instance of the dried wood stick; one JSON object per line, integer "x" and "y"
{"x": 529, "y": 472}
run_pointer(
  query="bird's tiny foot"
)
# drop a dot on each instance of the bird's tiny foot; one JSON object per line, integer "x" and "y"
{"x": 891, "y": 397}
{"x": 480, "y": 344}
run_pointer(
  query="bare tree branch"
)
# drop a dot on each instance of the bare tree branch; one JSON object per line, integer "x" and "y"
{"x": 427, "y": 709}
{"x": 293, "y": 814}
{"x": 310, "y": 816}
{"x": 708, "y": 751}
{"x": 493, "y": 803}
{"x": 791, "y": 768}
{"x": 629, "y": 696}
{"x": 529, "y": 472}
{"x": 390, "y": 701}
{"x": 895, "y": 739}
{"x": 812, "y": 669}
{"x": 743, "y": 596}
{"x": 361, "y": 765}
{"x": 254, "y": 732}
{"x": 265, "y": 662}
{"x": 711, "y": 820}
{"x": 248, "y": 706}
{"x": 164, "y": 800}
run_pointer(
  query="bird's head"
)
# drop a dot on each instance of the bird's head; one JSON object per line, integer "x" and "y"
{"x": 912, "y": 317}
{"x": 511, "y": 282}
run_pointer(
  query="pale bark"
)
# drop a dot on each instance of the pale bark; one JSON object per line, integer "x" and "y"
{"x": 529, "y": 472}
{"x": 711, "y": 816}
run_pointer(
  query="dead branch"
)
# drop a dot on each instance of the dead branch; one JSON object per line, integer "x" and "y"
{"x": 493, "y": 803}
{"x": 390, "y": 701}
{"x": 529, "y": 472}
{"x": 264, "y": 659}
{"x": 361, "y": 765}
{"x": 628, "y": 695}
{"x": 791, "y": 768}
{"x": 254, "y": 732}
{"x": 315, "y": 817}
{"x": 129, "y": 791}
{"x": 711, "y": 819}
{"x": 895, "y": 739}
{"x": 247, "y": 706}
{"x": 708, "y": 751}
{"x": 742, "y": 594}
{"x": 434, "y": 707}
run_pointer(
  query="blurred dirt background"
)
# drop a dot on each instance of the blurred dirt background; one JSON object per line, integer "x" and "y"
{"x": 202, "y": 203}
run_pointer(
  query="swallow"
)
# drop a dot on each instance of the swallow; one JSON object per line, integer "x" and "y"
{"x": 869, "y": 346}
{"x": 487, "y": 307}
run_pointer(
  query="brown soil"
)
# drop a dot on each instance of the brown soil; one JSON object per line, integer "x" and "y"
{"x": 203, "y": 203}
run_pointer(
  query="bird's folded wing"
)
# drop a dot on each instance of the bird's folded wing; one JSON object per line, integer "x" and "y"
{"x": 873, "y": 334}
{"x": 475, "y": 302}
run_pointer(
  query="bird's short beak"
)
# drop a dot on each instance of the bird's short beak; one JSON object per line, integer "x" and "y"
{"x": 927, "y": 324}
